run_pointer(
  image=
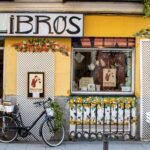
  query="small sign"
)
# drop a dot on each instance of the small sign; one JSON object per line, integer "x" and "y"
{"x": 126, "y": 88}
{"x": 109, "y": 77}
{"x": 91, "y": 87}
{"x": 35, "y": 84}
{"x": 36, "y": 95}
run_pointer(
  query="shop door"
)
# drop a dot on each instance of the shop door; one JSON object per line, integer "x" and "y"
{"x": 145, "y": 88}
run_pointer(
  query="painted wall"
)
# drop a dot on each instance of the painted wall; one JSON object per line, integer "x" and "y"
{"x": 62, "y": 67}
{"x": 114, "y": 26}
{"x": 94, "y": 26}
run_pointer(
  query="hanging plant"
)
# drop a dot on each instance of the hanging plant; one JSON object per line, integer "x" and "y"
{"x": 41, "y": 45}
{"x": 147, "y": 7}
{"x": 143, "y": 33}
{"x": 58, "y": 115}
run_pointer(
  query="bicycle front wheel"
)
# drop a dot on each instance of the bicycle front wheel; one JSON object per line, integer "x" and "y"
{"x": 50, "y": 136}
{"x": 8, "y": 133}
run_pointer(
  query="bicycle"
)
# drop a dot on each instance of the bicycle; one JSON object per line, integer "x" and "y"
{"x": 12, "y": 125}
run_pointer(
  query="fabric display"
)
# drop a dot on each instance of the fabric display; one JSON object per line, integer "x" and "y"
{"x": 110, "y": 61}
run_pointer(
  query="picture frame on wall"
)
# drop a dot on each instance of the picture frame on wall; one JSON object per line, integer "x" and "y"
{"x": 36, "y": 85}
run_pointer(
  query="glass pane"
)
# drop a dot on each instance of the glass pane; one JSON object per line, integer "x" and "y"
{"x": 102, "y": 71}
{"x": 105, "y": 0}
{"x": 1, "y": 43}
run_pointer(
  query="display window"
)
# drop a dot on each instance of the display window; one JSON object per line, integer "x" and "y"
{"x": 104, "y": 0}
{"x": 102, "y": 71}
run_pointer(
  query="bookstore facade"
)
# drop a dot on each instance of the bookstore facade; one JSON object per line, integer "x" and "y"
{"x": 90, "y": 61}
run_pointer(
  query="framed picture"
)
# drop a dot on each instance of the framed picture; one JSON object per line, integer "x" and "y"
{"x": 35, "y": 84}
{"x": 109, "y": 77}
{"x": 91, "y": 87}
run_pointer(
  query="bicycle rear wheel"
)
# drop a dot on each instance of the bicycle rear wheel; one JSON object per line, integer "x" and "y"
{"x": 7, "y": 134}
{"x": 50, "y": 136}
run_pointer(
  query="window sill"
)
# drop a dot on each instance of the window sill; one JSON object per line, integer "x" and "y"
{"x": 101, "y": 93}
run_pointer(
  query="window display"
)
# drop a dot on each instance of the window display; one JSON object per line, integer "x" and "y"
{"x": 102, "y": 70}
{"x": 105, "y": 68}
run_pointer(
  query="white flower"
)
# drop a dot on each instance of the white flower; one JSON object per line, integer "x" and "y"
{"x": 24, "y": 42}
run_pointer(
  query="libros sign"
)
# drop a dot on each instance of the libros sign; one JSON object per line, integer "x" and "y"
{"x": 45, "y": 24}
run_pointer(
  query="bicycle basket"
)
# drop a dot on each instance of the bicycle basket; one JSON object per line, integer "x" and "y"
{"x": 7, "y": 107}
{"x": 2, "y": 108}
{"x": 50, "y": 112}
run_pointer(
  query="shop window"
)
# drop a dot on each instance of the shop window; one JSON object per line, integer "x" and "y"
{"x": 104, "y": 0}
{"x": 106, "y": 70}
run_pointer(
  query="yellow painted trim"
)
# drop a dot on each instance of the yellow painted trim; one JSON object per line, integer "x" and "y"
{"x": 137, "y": 68}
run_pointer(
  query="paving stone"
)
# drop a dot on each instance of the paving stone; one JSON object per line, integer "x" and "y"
{"x": 78, "y": 145}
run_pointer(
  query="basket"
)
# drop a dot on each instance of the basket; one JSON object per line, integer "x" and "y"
{"x": 7, "y": 109}
{"x": 50, "y": 112}
{"x": 2, "y": 108}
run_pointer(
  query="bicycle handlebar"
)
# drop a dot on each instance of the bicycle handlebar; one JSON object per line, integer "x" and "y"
{"x": 42, "y": 102}
{"x": 39, "y": 103}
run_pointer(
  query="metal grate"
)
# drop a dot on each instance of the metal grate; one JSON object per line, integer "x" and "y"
{"x": 145, "y": 88}
{"x": 33, "y": 62}
{"x": 90, "y": 120}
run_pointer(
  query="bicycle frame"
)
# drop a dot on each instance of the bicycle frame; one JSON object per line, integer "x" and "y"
{"x": 28, "y": 128}
{"x": 14, "y": 126}
{"x": 20, "y": 125}
{"x": 34, "y": 123}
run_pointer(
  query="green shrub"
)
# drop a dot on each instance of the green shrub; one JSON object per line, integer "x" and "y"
{"x": 58, "y": 115}
{"x": 147, "y": 7}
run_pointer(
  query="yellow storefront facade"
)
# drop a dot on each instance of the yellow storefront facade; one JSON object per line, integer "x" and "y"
{"x": 94, "y": 26}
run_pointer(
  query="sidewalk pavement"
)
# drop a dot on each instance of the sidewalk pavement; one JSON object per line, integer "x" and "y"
{"x": 78, "y": 145}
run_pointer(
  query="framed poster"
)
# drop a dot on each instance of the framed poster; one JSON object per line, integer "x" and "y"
{"x": 91, "y": 87}
{"x": 109, "y": 77}
{"x": 35, "y": 84}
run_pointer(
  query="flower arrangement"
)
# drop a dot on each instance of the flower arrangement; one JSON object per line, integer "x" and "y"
{"x": 143, "y": 33}
{"x": 85, "y": 110}
{"x": 41, "y": 45}
{"x": 123, "y": 102}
